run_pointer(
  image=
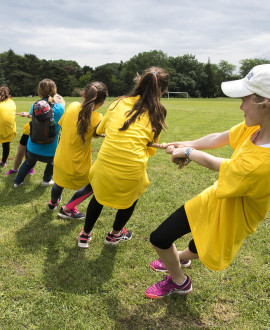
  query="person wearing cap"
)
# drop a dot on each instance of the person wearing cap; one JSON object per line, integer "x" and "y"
{"x": 223, "y": 215}
{"x": 42, "y": 152}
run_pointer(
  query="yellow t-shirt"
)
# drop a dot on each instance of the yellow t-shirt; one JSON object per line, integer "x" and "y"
{"x": 72, "y": 160}
{"x": 7, "y": 120}
{"x": 118, "y": 176}
{"x": 223, "y": 215}
{"x": 26, "y": 129}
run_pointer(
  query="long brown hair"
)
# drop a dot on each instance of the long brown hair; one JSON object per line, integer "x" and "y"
{"x": 94, "y": 93}
{"x": 150, "y": 86}
{"x": 47, "y": 88}
{"x": 4, "y": 93}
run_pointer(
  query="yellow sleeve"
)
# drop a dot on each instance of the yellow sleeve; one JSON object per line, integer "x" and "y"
{"x": 95, "y": 120}
{"x": 26, "y": 129}
{"x": 152, "y": 151}
{"x": 101, "y": 127}
{"x": 61, "y": 119}
{"x": 237, "y": 177}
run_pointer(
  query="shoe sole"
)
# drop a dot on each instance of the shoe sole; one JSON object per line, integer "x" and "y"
{"x": 63, "y": 216}
{"x": 84, "y": 245}
{"x": 181, "y": 293}
{"x": 117, "y": 242}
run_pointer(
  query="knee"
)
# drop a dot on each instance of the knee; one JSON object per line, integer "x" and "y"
{"x": 158, "y": 241}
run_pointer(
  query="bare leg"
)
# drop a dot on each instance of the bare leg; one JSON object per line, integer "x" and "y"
{"x": 170, "y": 258}
{"x": 19, "y": 157}
{"x": 187, "y": 255}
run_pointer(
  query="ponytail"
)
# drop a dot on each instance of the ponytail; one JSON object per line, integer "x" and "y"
{"x": 150, "y": 86}
{"x": 94, "y": 93}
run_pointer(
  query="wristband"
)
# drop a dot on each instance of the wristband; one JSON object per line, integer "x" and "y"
{"x": 187, "y": 153}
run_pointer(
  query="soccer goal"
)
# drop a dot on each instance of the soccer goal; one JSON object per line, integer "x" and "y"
{"x": 185, "y": 94}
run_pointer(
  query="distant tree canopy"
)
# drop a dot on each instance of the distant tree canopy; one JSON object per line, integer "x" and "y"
{"x": 23, "y": 73}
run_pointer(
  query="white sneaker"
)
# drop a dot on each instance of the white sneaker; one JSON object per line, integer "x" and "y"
{"x": 44, "y": 183}
{"x": 17, "y": 185}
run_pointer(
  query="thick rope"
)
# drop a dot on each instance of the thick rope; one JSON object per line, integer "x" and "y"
{"x": 181, "y": 162}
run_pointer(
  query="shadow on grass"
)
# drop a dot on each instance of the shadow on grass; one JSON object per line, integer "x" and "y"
{"x": 65, "y": 268}
{"x": 177, "y": 315}
{"x": 78, "y": 273}
{"x": 11, "y": 196}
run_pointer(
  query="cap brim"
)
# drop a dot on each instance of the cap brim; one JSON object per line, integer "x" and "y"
{"x": 235, "y": 88}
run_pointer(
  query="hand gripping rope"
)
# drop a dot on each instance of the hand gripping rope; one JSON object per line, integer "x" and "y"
{"x": 181, "y": 162}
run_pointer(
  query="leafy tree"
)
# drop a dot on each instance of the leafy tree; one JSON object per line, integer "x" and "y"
{"x": 140, "y": 62}
{"x": 110, "y": 75}
{"x": 85, "y": 79}
{"x": 247, "y": 64}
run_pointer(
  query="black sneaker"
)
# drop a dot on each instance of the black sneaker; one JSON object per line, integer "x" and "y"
{"x": 54, "y": 206}
{"x": 112, "y": 239}
{"x": 71, "y": 214}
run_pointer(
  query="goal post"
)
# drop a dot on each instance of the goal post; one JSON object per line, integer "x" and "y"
{"x": 185, "y": 94}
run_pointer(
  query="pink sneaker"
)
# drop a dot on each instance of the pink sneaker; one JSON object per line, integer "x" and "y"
{"x": 31, "y": 172}
{"x": 158, "y": 265}
{"x": 83, "y": 240}
{"x": 11, "y": 171}
{"x": 167, "y": 287}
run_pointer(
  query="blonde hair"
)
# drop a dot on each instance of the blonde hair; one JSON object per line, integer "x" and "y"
{"x": 260, "y": 100}
{"x": 59, "y": 99}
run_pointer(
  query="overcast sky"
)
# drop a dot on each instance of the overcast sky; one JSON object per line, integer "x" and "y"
{"x": 105, "y": 31}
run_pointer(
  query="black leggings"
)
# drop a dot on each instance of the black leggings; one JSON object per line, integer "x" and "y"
{"x": 76, "y": 199}
{"x": 93, "y": 212}
{"x": 6, "y": 150}
{"x": 174, "y": 227}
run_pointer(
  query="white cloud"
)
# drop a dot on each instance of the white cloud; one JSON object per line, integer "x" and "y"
{"x": 96, "y": 33}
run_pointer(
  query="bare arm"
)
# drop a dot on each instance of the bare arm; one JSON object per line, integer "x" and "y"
{"x": 24, "y": 114}
{"x": 211, "y": 141}
{"x": 199, "y": 157}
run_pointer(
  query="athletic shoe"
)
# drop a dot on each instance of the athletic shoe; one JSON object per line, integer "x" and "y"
{"x": 31, "y": 172}
{"x": 44, "y": 183}
{"x": 70, "y": 214}
{"x": 112, "y": 239}
{"x": 2, "y": 164}
{"x": 54, "y": 206}
{"x": 17, "y": 185}
{"x": 83, "y": 240}
{"x": 167, "y": 287}
{"x": 11, "y": 171}
{"x": 158, "y": 265}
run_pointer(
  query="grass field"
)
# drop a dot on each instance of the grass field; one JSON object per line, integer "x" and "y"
{"x": 47, "y": 282}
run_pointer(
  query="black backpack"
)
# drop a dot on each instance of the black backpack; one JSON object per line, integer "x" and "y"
{"x": 42, "y": 126}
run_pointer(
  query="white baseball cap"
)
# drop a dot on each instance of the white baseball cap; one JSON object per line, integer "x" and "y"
{"x": 257, "y": 81}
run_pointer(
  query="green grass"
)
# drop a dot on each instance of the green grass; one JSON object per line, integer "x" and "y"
{"x": 47, "y": 282}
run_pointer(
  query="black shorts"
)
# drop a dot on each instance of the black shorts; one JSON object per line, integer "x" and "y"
{"x": 24, "y": 139}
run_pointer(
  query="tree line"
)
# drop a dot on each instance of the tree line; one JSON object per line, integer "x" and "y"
{"x": 23, "y": 73}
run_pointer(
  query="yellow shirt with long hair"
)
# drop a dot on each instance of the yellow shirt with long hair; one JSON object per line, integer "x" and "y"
{"x": 223, "y": 215}
{"x": 118, "y": 176}
{"x": 72, "y": 160}
{"x": 7, "y": 120}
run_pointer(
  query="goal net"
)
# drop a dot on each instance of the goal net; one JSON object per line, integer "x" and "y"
{"x": 180, "y": 94}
